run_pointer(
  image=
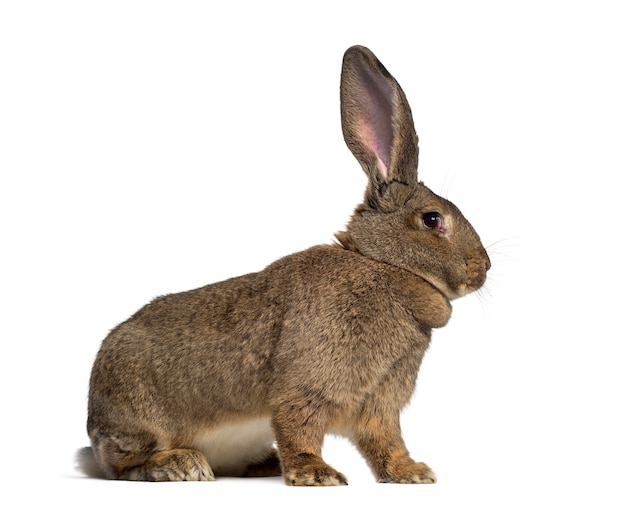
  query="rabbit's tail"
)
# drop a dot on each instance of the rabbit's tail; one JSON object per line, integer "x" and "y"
{"x": 87, "y": 464}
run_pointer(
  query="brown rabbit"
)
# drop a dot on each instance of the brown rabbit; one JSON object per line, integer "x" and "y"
{"x": 246, "y": 376}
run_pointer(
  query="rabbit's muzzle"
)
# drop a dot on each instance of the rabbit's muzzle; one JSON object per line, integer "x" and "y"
{"x": 476, "y": 274}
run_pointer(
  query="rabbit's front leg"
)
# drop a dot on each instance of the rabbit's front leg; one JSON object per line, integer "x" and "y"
{"x": 300, "y": 431}
{"x": 378, "y": 437}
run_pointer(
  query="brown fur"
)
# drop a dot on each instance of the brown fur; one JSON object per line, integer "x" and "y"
{"x": 325, "y": 340}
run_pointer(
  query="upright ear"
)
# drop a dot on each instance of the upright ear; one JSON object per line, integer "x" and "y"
{"x": 377, "y": 124}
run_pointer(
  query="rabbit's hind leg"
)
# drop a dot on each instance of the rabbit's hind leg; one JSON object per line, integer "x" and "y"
{"x": 139, "y": 457}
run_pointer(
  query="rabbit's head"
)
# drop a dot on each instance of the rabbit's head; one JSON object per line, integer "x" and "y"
{"x": 401, "y": 222}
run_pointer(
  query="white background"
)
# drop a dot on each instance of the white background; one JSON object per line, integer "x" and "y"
{"x": 152, "y": 147}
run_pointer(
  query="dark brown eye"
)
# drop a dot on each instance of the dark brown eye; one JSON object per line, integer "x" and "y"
{"x": 433, "y": 220}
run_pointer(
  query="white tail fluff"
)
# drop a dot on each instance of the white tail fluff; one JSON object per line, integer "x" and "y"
{"x": 86, "y": 463}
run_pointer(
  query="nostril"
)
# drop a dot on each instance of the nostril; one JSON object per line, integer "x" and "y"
{"x": 487, "y": 264}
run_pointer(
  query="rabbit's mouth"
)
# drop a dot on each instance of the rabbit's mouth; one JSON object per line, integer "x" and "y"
{"x": 472, "y": 280}
{"x": 475, "y": 277}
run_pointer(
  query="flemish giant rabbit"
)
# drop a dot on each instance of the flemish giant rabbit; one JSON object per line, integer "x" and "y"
{"x": 246, "y": 376}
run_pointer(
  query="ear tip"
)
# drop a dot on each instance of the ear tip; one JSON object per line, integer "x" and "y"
{"x": 357, "y": 48}
{"x": 358, "y": 51}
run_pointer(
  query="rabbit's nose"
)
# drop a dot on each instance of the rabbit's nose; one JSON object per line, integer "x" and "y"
{"x": 487, "y": 263}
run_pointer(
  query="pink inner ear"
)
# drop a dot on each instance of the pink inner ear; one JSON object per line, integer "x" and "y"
{"x": 375, "y": 125}
{"x": 369, "y": 139}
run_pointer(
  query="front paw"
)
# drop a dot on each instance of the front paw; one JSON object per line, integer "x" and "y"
{"x": 314, "y": 475}
{"x": 410, "y": 473}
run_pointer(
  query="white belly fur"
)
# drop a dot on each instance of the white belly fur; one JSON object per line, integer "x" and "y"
{"x": 232, "y": 447}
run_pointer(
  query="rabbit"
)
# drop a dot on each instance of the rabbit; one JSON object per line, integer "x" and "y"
{"x": 245, "y": 377}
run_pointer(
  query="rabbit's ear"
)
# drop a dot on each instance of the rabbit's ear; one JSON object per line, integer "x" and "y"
{"x": 377, "y": 122}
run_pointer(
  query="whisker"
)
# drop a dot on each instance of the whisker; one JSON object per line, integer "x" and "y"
{"x": 446, "y": 184}
{"x": 504, "y": 249}
{"x": 504, "y": 242}
{"x": 506, "y": 256}
{"x": 486, "y": 299}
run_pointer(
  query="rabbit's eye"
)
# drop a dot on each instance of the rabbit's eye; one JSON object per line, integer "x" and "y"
{"x": 434, "y": 221}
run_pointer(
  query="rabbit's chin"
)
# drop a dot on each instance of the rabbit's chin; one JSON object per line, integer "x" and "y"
{"x": 451, "y": 293}
{"x": 462, "y": 290}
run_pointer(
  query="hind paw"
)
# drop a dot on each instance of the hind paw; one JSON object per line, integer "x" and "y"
{"x": 172, "y": 465}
